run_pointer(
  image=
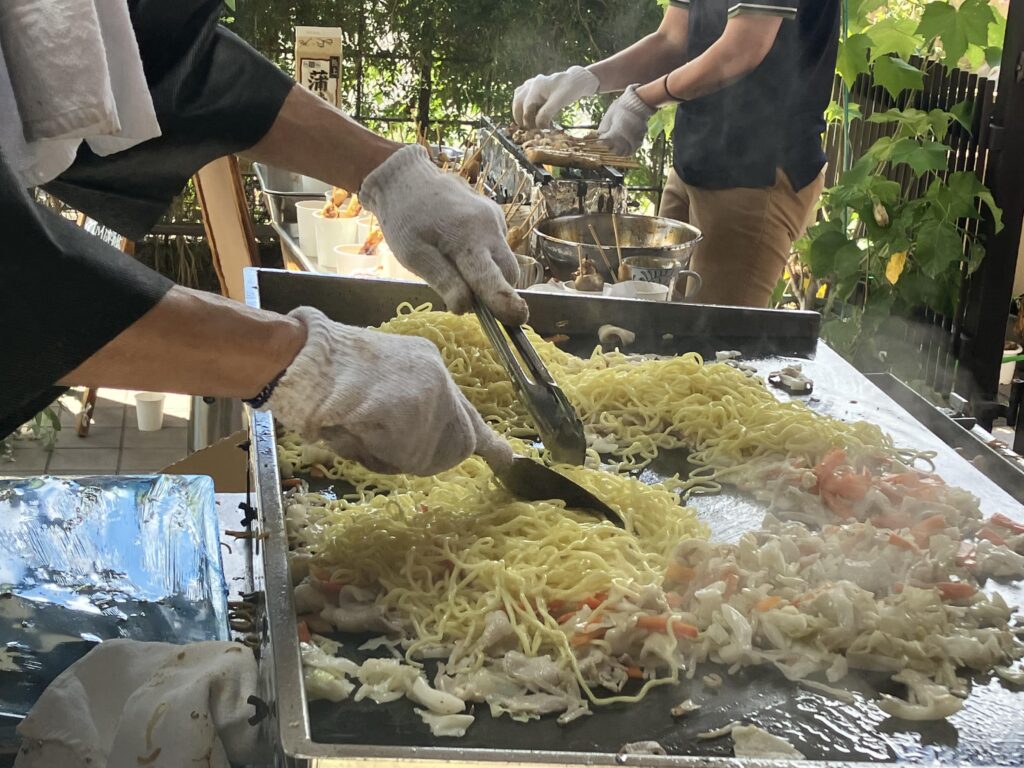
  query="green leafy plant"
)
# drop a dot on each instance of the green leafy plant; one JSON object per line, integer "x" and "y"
{"x": 879, "y": 251}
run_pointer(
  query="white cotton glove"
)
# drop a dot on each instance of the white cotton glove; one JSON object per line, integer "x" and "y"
{"x": 538, "y": 101}
{"x": 381, "y": 399}
{"x": 624, "y": 125}
{"x": 128, "y": 703}
{"x": 446, "y": 233}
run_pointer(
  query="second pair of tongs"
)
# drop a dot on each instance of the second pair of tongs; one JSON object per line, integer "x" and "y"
{"x": 559, "y": 427}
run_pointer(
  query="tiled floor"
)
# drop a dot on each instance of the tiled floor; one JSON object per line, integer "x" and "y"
{"x": 114, "y": 444}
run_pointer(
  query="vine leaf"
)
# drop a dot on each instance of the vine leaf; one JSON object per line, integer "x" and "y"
{"x": 896, "y": 75}
{"x": 921, "y": 155}
{"x": 832, "y": 252}
{"x": 893, "y": 35}
{"x": 852, "y": 59}
{"x": 938, "y": 246}
{"x": 957, "y": 28}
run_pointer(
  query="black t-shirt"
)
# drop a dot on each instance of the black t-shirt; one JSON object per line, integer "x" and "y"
{"x": 65, "y": 293}
{"x": 771, "y": 118}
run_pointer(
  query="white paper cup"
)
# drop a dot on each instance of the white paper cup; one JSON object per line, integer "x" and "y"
{"x": 1006, "y": 370}
{"x": 149, "y": 410}
{"x": 351, "y": 262}
{"x": 330, "y": 233}
{"x": 362, "y": 230}
{"x": 392, "y": 269}
{"x": 304, "y": 211}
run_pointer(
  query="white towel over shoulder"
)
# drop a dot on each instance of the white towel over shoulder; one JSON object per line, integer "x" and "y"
{"x": 72, "y": 72}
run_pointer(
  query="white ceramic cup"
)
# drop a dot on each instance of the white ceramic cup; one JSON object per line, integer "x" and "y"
{"x": 351, "y": 262}
{"x": 149, "y": 411}
{"x": 330, "y": 233}
{"x": 304, "y": 210}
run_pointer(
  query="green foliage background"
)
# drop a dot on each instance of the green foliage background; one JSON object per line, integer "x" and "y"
{"x": 477, "y": 51}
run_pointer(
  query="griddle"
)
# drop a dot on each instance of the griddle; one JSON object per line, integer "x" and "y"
{"x": 989, "y": 731}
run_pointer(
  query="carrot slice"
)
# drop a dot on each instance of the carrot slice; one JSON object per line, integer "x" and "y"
{"x": 634, "y": 672}
{"x": 923, "y": 530}
{"x": 995, "y": 538}
{"x": 305, "y": 636}
{"x": 595, "y": 600}
{"x": 955, "y": 590}
{"x": 291, "y": 482}
{"x": 675, "y": 600}
{"x": 1004, "y": 522}
{"x": 582, "y": 638}
{"x": 829, "y": 463}
{"x": 732, "y": 581}
{"x": 660, "y": 624}
{"x": 898, "y": 541}
{"x": 768, "y": 603}
{"x": 566, "y": 617}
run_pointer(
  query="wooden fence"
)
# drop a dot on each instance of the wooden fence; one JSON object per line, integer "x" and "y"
{"x": 937, "y": 338}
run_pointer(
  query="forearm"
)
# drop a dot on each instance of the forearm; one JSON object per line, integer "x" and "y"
{"x": 741, "y": 48}
{"x": 645, "y": 60}
{"x": 649, "y": 58}
{"x": 195, "y": 343}
{"x": 315, "y": 139}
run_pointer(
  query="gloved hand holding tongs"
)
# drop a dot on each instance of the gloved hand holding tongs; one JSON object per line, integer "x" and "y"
{"x": 384, "y": 400}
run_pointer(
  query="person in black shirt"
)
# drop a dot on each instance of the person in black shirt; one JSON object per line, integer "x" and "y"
{"x": 752, "y": 81}
{"x": 75, "y": 311}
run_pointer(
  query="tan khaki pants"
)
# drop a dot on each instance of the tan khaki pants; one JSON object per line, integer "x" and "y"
{"x": 748, "y": 234}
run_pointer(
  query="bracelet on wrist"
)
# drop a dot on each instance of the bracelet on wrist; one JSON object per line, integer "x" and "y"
{"x": 671, "y": 96}
{"x": 264, "y": 394}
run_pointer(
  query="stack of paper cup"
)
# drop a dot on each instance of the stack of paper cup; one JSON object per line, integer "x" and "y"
{"x": 330, "y": 233}
{"x": 304, "y": 211}
{"x": 351, "y": 262}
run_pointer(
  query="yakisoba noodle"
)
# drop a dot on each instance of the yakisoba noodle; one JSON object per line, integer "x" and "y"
{"x": 444, "y": 553}
{"x": 640, "y": 407}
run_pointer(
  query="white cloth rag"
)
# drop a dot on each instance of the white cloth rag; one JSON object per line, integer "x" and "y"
{"x": 128, "y": 703}
{"x": 37, "y": 162}
{"x": 58, "y": 65}
{"x": 60, "y": 89}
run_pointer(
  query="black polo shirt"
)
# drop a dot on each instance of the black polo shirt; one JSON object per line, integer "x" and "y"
{"x": 771, "y": 118}
{"x": 64, "y": 293}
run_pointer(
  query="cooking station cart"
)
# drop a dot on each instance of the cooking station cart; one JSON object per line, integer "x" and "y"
{"x": 989, "y": 731}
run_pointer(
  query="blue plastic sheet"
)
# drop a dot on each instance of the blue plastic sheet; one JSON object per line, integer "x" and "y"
{"x": 92, "y": 558}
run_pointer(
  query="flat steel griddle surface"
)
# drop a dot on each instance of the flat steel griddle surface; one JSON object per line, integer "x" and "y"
{"x": 989, "y": 731}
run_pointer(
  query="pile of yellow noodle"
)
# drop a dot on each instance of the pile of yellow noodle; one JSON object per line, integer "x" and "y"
{"x": 643, "y": 406}
{"x": 444, "y": 552}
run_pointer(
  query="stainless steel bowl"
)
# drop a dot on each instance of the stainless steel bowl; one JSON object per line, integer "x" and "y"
{"x": 556, "y": 242}
{"x": 283, "y": 189}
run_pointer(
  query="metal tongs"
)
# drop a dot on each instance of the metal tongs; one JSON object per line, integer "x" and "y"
{"x": 559, "y": 427}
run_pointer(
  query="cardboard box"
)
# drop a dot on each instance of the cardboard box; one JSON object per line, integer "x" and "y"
{"x": 224, "y": 461}
{"x": 318, "y": 61}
